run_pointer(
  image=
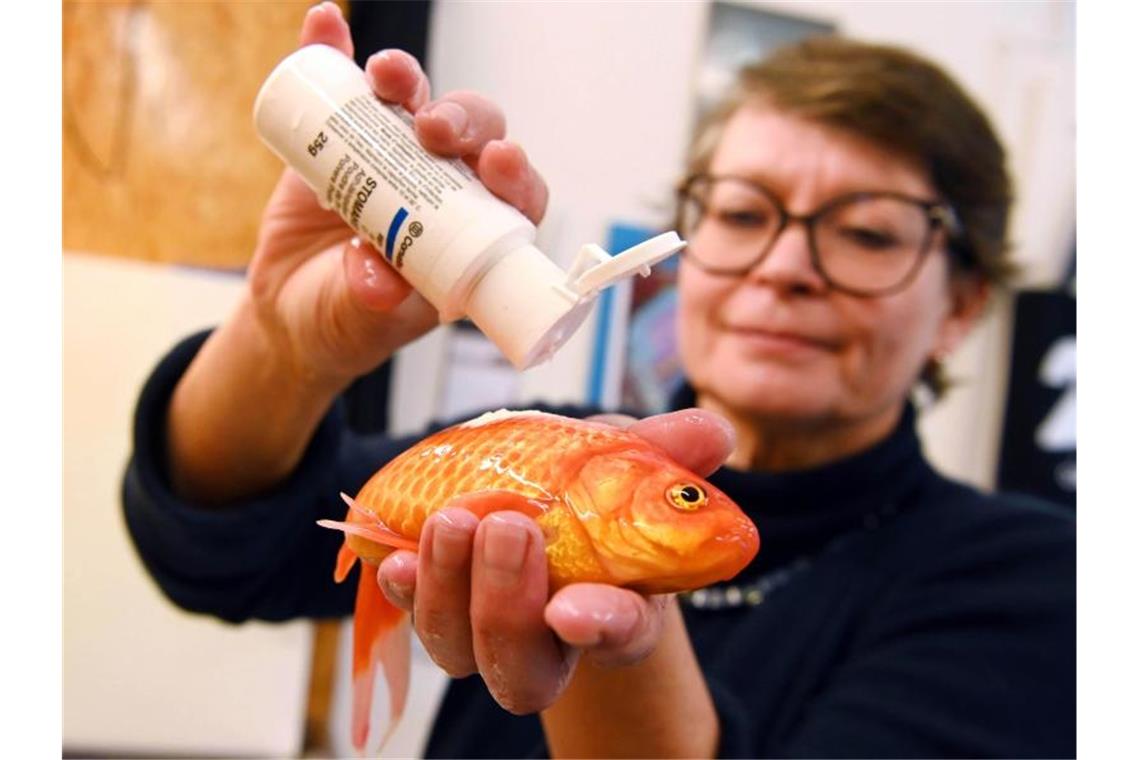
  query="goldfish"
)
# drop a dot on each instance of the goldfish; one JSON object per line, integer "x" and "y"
{"x": 613, "y": 508}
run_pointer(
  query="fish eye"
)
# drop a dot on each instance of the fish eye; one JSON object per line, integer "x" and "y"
{"x": 687, "y": 497}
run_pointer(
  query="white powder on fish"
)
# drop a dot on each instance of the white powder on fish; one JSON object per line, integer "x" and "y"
{"x": 502, "y": 414}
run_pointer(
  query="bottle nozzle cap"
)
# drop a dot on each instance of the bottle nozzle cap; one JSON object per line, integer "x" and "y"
{"x": 529, "y": 307}
{"x": 596, "y": 270}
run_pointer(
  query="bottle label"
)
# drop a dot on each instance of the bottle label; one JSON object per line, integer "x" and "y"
{"x": 382, "y": 181}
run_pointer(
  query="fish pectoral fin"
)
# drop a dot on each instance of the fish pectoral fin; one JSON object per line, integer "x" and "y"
{"x": 483, "y": 503}
{"x": 375, "y": 533}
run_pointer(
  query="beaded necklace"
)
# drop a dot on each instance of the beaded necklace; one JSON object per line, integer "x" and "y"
{"x": 754, "y": 593}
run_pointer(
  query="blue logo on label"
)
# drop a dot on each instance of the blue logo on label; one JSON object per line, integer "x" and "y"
{"x": 393, "y": 229}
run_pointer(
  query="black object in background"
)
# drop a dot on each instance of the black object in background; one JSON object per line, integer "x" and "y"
{"x": 399, "y": 24}
{"x": 1039, "y": 440}
{"x": 376, "y": 26}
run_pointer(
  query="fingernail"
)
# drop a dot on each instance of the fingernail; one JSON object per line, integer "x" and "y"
{"x": 454, "y": 114}
{"x": 567, "y": 608}
{"x": 504, "y": 548}
{"x": 371, "y": 264}
{"x": 400, "y": 563}
{"x": 374, "y": 270}
{"x": 397, "y": 593}
{"x": 450, "y": 543}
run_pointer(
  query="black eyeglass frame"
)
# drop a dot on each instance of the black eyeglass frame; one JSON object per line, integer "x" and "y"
{"x": 939, "y": 215}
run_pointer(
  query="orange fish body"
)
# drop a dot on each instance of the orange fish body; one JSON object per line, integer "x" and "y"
{"x": 612, "y": 507}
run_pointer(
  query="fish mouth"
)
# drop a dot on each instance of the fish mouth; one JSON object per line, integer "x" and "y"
{"x": 733, "y": 551}
{"x": 724, "y": 557}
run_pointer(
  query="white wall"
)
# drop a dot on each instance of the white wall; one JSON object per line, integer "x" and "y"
{"x": 140, "y": 676}
{"x": 600, "y": 95}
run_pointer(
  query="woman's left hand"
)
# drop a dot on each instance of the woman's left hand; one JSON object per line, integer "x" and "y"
{"x": 478, "y": 589}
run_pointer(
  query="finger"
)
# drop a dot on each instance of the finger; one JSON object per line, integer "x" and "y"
{"x": 291, "y": 197}
{"x": 615, "y": 626}
{"x": 397, "y": 77}
{"x": 443, "y": 590}
{"x": 460, "y": 124}
{"x": 371, "y": 281}
{"x": 362, "y": 336}
{"x": 397, "y": 578}
{"x": 504, "y": 169}
{"x": 384, "y": 333}
{"x": 324, "y": 24}
{"x": 521, "y": 662}
{"x": 694, "y": 438}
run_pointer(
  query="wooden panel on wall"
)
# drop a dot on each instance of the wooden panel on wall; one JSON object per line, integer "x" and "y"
{"x": 160, "y": 158}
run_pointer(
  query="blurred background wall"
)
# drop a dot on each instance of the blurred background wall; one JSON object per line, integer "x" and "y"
{"x": 602, "y": 95}
{"x": 161, "y": 166}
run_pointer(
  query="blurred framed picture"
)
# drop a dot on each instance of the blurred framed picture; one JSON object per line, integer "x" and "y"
{"x": 740, "y": 34}
{"x": 1039, "y": 436}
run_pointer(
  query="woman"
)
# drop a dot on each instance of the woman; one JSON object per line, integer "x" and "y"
{"x": 846, "y": 213}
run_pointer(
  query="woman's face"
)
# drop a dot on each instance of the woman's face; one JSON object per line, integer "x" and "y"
{"x": 778, "y": 344}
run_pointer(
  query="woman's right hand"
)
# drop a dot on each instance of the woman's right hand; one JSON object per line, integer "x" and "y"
{"x": 321, "y": 309}
{"x": 330, "y": 305}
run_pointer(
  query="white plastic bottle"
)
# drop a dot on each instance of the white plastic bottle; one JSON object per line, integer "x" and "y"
{"x": 462, "y": 248}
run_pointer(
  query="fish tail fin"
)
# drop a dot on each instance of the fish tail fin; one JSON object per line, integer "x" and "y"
{"x": 381, "y": 634}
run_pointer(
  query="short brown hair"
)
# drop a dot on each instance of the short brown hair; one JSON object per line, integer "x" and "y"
{"x": 906, "y": 104}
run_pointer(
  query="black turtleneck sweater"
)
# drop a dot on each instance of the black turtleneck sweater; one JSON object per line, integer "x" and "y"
{"x": 890, "y": 613}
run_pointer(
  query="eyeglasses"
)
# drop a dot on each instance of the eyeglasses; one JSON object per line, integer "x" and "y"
{"x": 864, "y": 244}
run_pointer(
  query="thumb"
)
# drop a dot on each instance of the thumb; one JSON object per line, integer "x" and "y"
{"x": 383, "y": 311}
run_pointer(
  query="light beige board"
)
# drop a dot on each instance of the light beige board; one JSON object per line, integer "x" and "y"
{"x": 140, "y": 676}
{"x": 160, "y": 158}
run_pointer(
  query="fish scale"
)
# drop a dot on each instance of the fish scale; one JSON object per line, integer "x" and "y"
{"x": 498, "y": 455}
